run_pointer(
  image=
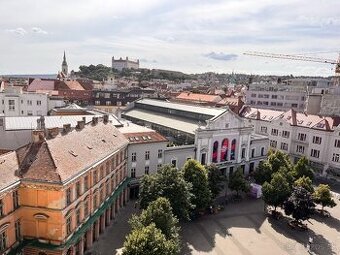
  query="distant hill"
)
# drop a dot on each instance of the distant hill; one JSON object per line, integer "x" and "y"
{"x": 35, "y": 76}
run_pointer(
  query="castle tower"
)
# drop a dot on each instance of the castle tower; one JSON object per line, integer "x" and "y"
{"x": 64, "y": 67}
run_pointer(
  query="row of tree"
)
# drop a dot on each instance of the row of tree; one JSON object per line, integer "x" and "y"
{"x": 290, "y": 187}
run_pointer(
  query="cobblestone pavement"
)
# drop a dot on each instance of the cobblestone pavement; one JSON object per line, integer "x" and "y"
{"x": 243, "y": 228}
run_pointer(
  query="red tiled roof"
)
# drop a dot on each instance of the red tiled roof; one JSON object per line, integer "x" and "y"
{"x": 74, "y": 85}
{"x": 61, "y": 158}
{"x": 199, "y": 97}
{"x": 41, "y": 85}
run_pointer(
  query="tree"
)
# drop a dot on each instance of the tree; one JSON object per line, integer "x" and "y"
{"x": 277, "y": 191}
{"x": 216, "y": 180}
{"x": 263, "y": 172}
{"x": 302, "y": 168}
{"x": 323, "y": 196}
{"x": 197, "y": 175}
{"x": 148, "y": 240}
{"x": 168, "y": 182}
{"x": 160, "y": 213}
{"x": 238, "y": 183}
{"x": 305, "y": 183}
{"x": 279, "y": 159}
{"x": 300, "y": 204}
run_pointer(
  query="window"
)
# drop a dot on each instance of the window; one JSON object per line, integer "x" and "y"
{"x": 285, "y": 134}
{"x": 273, "y": 143}
{"x": 263, "y": 129}
{"x": 160, "y": 153}
{"x": 203, "y": 159}
{"x": 300, "y": 149}
{"x": 284, "y": 146}
{"x": 11, "y": 105}
{"x": 243, "y": 153}
{"x": 337, "y": 143}
{"x": 174, "y": 162}
{"x": 29, "y": 102}
{"x": 215, "y": 152}
{"x": 133, "y": 156}
{"x": 17, "y": 230}
{"x": 78, "y": 218}
{"x": 252, "y": 153}
{"x": 275, "y": 132}
{"x": 3, "y": 243}
{"x": 147, "y": 155}
{"x": 302, "y": 137}
{"x": 336, "y": 157}
{"x": 274, "y": 96}
{"x": 68, "y": 196}
{"x": 101, "y": 172}
{"x": 317, "y": 139}
{"x": 15, "y": 199}
{"x": 86, "y": 209}
{"x": 69, "y": 225}
{"x": 133, "y": 172}
{"x": 233, "y": 149}
{"x": 2, "y": 213}
{"x": 159, "y": 166}
{"x": 253, "y": 95}
{"x": 78, "y": 190}
{"x": 29, "y": 112}
{"x": 108, "y": 103}
{"x": 262, "y": 151}
{"x": 314, "y": 153}
{"x": 38, "y": 102}
{"x": 147, "y": 169}
{"x": 86, "y": 183}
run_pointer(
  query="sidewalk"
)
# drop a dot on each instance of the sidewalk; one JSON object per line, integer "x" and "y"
{"x": 111, "y": 241}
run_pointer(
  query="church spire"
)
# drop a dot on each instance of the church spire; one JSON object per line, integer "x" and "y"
{"x": 64, "y": 66}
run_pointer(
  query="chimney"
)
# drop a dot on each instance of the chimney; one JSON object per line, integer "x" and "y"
{"x": 80, "y": 124}
{"x": 94, "y": 121}
{"x": 66, "y": 128}
{"x": 41, "y": 123}
{"x": 52, "y": 132}
{"x": 258, "y": 115}
{"x": 119, "y": 113}
{"x": 106, "y": 118}
{"x": 294, "y": 120}
{"x": 38, "y": 136}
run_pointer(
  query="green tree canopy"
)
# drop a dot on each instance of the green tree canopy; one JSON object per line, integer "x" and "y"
{"x": 148, "y": 240}
{"x": 197, "y": 175}
{"x": 277, "y": 191}
{"x": 263, "y": 172}
{"x": 305, "y": 183}
{"x": 238, "y": 183}
{"x": 279, "y": 159}
{"x": 168, "y": 182}
{"x": 216, "y": 180}
{"x": 98, "y": 72}
{"x": 300, "y": 204}
{"x": 160, "y": 213}
{"x": 302, "y": 168}
{"x": 323, "y": 196}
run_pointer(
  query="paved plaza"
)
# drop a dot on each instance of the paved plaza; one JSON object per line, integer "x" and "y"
{"x": 241, "y": 228}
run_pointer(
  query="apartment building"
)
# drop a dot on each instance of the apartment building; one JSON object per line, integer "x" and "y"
{"x": 15, "y": 102}
{"x": 59, "y": 193}
{"x": 299, "y": 134}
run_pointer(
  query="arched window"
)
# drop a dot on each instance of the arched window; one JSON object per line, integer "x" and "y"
{"x": 233, "y": 149}
{"x": 224, "y": 150}
{"x": 215, "y": 152}
{"x": 262, "y": 151}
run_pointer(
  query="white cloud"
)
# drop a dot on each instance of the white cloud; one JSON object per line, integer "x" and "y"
{"x": 38, "y": 30}
{"x": 19, "y": 31}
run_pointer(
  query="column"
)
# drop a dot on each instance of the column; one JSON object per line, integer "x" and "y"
{"x": 81, "y": 246}
{"x": 107, "y": 213}
{"x": 112, "y": 211}
{"x": 102, "y": 223}
{"x": 97, "y": 230}
{"x": 89, "y": 238}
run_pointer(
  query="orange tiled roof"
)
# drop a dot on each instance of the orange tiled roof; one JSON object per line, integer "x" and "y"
{"x": 74, "y": 85}
{"x": 199, "y": 97}
{"x": 61, "y": 158}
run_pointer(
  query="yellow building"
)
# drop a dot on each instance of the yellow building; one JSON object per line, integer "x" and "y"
{"x": 69, "y": 186}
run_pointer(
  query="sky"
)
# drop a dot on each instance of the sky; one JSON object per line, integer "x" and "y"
{"x": 191, "y": 36}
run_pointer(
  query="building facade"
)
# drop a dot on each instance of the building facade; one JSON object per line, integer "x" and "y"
{"x": 121, "y": 64}
{"x": 299, "y": 134}
{"x": 62, "y": 192}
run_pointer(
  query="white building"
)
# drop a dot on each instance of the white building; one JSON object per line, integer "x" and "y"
{"x": 121, "y": 64}
{"x": 15, "y": 102}
{"x": 209, "y": 135}
{"x": 300, "y": 134}
{"x": 285, "y": 95}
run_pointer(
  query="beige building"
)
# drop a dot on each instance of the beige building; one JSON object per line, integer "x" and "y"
{"x": 126, "y": 63}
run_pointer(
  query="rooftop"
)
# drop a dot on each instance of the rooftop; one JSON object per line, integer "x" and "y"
{"x": 199, "y": 97}
{"x": 8, "y": 166}
{"x": 145, "y": 137}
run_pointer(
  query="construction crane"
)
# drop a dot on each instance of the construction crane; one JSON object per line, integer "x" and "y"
{"x": 301, "y": 58}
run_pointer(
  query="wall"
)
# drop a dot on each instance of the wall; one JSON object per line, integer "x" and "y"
{"x": 179, "y": 153}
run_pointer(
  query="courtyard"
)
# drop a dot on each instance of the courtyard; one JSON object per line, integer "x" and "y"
{"x": 241, "y": 228}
